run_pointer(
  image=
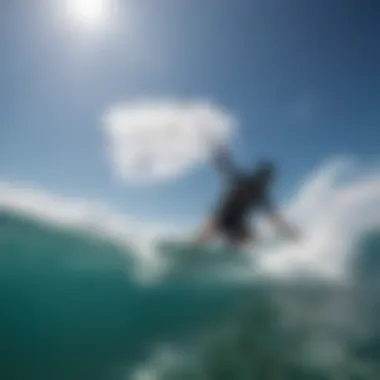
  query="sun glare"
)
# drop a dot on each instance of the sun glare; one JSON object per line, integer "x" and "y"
{"x": 89, "y": 12}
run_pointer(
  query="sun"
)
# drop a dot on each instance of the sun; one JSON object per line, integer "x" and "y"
{"x": 89, "y": 12}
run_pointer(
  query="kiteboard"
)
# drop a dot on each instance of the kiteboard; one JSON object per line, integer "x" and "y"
{"x": 193, "y": 253}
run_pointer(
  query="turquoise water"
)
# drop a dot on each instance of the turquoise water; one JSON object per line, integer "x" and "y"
{"x": 73, "y": 308}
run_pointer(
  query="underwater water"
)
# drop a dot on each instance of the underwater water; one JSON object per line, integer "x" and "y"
{"x": 72, "y": 307}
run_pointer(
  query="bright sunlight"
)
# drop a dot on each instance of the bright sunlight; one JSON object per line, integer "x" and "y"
{"x": 90, "y": 13}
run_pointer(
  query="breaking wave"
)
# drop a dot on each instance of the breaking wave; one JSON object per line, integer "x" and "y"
{"x": 80, "y": 301}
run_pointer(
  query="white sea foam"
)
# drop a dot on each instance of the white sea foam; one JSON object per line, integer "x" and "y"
{"x": 332, "y": 207}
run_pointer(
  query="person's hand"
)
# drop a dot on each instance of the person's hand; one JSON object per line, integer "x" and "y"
{"x": 220, "y": 152}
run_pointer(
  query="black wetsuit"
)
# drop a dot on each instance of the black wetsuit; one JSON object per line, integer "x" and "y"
{"x": 245, "y": 193}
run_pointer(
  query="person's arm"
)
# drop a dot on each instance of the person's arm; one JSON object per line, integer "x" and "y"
{"x": 224, "y": 165}
{"x": 283, "y": 226}
{"x": 279, "y": 222}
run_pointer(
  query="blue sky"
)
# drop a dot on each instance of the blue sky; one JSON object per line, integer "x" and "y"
{"x": 301, "y": 78}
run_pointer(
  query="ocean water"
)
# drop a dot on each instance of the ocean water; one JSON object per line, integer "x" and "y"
{"x": 74, "y": 306}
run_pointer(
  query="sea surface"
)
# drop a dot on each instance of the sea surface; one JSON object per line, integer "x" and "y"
{"x": 74, "y": 306}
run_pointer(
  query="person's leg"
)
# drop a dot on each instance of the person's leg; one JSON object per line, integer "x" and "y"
{"x": 208, "y": 231}
{"x": 242, "y": 236}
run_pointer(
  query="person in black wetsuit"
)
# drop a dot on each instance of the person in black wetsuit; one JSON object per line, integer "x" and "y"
{"x": 246, "y": 192}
